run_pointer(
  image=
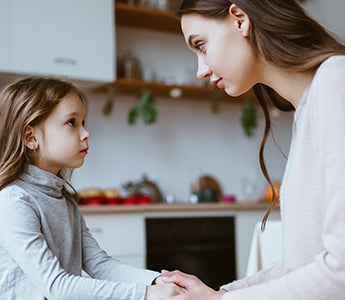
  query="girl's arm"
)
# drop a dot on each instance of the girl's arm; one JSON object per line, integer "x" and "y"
{"x": 22, "y": 239}
{"x": 98, "y": 264}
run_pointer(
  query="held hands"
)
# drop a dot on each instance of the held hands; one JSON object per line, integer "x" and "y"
{"x": 162, "y": 291}
{"x": 193, "y": 288}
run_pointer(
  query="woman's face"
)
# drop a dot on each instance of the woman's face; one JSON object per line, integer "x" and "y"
{"x": 224, "y": 53}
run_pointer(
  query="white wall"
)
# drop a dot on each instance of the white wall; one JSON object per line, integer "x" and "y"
{"x": 187, "y": 136}
{"x": 329, "y": 13}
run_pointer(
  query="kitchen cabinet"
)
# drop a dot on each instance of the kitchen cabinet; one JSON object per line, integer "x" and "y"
{"x": 5, "y": 7}
{"x": 121, "y": 236}
{"x": 68, "y": 38}
{"x": 121, "y": 229}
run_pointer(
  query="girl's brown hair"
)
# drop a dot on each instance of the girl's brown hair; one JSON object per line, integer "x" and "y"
{"x": 285, "y": 36}
{"x": 27, "y": 102}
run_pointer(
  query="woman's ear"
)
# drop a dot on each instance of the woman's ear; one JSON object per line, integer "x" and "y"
{"x": 30, "y": 139}
{"x": 242, "y": 21}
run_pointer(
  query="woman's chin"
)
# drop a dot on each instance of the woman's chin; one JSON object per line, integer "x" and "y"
{"x": 232, "y": 92}
{"x": 235, "y": 92}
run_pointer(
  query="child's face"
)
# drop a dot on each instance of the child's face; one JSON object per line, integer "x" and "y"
{"x": 62, "y": 137}
{"x": 225, "y": 55}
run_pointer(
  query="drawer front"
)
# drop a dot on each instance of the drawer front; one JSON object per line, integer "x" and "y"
{"x": 119, "y": 235}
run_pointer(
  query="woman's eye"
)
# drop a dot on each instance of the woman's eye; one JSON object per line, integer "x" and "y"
{"x": 199, "y": 47}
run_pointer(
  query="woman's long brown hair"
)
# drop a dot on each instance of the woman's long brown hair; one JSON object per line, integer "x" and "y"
{"x": 285, "y": 36}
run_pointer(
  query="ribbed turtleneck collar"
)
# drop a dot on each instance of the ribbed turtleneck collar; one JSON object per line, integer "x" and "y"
{"x": 46, "y": 182}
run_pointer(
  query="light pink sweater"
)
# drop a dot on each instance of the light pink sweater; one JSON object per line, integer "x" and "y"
{"x": 312, "y": 200}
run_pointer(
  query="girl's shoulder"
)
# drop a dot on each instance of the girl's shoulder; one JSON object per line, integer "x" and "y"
{"x": 13, "y": 196}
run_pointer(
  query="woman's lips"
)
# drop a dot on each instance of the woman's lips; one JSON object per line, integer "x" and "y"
{"x": 218, "y": 83}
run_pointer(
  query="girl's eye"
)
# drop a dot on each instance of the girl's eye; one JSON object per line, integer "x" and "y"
{"x": 71, "y": 122}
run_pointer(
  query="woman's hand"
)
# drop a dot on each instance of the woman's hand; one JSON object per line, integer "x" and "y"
{"x": 194, "y": 288}
{"x": 162, "y": 291}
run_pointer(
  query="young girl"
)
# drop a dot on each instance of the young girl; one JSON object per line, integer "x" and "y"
{"x": 44, "y": 241}
{"x": 275, "y": 48}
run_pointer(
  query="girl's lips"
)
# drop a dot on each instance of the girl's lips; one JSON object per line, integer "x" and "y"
{"x": 84, "y": 150}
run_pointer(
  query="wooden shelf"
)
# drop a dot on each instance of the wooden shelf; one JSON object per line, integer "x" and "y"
{"x": 146, "y": 18}
{"x": 164, "y": 208}
{"x": 163, "y": 89}
{"x": 135, "y": 87}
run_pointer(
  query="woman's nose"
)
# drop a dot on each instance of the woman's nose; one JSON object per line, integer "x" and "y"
{"x": 203, "y": 70}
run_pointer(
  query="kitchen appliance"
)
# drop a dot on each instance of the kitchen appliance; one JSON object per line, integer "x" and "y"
{"x": 202, "y": 246}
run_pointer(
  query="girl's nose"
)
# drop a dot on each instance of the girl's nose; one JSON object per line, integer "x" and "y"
{"x": 86, "y": 135}
{"x": 203, "y": 69}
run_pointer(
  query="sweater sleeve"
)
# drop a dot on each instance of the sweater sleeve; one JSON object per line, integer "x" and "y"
{"x": 98, "y": 264}
{"x": 324, "y": 277}
{"x": 21, "y": 237}
{"x": 267, "y": 274}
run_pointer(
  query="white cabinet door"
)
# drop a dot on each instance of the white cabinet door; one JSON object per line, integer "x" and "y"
{"x": 5, "y": 18}
{"x": 72, "y": 38}
{"x": 121, "y": 236}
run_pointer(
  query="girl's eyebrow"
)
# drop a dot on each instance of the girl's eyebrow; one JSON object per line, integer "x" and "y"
{"x": 190, "y": 39}
{"x": 73, "y": 114}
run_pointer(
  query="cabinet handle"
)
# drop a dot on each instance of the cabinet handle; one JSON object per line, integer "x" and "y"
{"x": 65, "y": 61}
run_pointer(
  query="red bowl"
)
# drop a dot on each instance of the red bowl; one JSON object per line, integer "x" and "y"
{"x": 144, "y": 199}
{"x": 130, "y": 200}
{"x": 91, "y": 201}
{"x": 112, "y": 200}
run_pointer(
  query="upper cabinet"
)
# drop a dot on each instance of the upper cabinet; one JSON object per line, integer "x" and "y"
{"x": 69, "y": 38}
{"x": 5, "y": 7}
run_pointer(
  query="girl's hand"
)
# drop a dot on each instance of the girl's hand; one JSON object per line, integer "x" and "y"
{"x": 194, "y": 288}
{"x": 162, "y": 291}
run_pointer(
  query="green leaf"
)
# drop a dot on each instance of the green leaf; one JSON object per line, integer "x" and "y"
{"x": 249, "y": 119}
{"x": 133, "y": 116}
{"x": 145, "y": 108}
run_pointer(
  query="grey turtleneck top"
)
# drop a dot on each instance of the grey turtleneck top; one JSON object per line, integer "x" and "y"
{"x": 45, "y": 244}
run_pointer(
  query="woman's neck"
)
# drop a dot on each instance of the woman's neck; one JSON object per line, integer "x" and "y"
{"x": 289, "y": 85}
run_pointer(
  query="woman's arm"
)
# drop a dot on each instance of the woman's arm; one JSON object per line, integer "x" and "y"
{"x": 194, "y": 288}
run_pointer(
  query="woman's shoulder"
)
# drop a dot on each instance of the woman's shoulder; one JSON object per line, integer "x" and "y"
{"x": 333, "y": 65}
{"x": 330, "y": 76}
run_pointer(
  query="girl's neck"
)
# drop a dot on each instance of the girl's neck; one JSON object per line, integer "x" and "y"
{"x": 289, "y": 85}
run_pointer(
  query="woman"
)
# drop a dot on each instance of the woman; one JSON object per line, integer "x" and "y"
{"x": 273, "y": 47}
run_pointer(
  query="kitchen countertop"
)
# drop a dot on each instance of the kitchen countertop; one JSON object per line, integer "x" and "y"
{"x": 162, "y": 207}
